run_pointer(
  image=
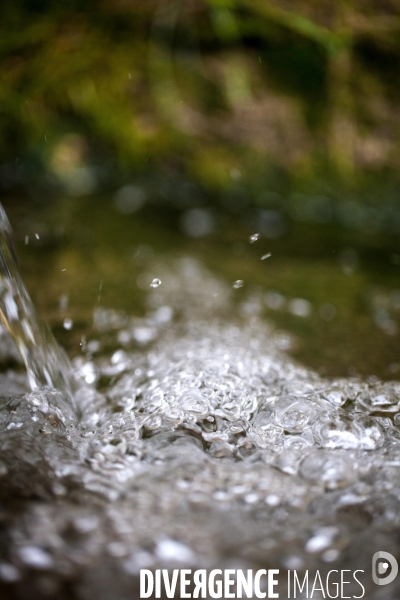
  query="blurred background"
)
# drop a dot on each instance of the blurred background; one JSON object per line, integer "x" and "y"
{"x": 137, "y": 128}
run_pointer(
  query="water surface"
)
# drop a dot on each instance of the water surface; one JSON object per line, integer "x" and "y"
{"x": 201, "y": 442}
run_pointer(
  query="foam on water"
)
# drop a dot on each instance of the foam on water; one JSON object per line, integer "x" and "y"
{"x": 200, "y": 444}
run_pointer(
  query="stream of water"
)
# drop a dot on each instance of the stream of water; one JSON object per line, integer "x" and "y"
{"x": 45, "y": 362}
{"x": 199, "y": 444}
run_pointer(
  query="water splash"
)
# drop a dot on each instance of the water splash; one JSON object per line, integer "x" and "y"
{"x": 202, "y": 445}
{"x": 46, "y": 363}
{"x": 238, "y": 284}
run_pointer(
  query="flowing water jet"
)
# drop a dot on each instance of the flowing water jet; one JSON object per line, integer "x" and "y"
{"x": 46, "y": 363}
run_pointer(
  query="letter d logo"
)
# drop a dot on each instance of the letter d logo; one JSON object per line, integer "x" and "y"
{"x": 382, "y": 567}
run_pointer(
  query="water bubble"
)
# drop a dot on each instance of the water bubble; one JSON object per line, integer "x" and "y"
{"x": 338, "y": 434}
{"x": 117, "y": 549}
{"x": 382, "y": 399}
{"x": 369, "y": 432}
{"x": 171, "y": 550}
{"x": 9, "y": 573}
{"x": 85, "y": 524}
{"x": 93, "y": 346}
{"x": 129, "y": 199}
{"x": 88, "y": 372}
{"x": 272, "y": 500}
{"x": 238, "y": 284}
{"x": 35, "y": 557}
{"x": 293, "y": 562}
{"x": 330, "y": 555}
{"x": 293, "y": 415}
{"x": 194, "y": 402}
{"x": 251, "y": 498}
{"x": 268, "y": 436}
{"x": 331, "y": 470}
{"x": 144, "y": 335}
{"x": 300, "y": 307}
{"x": 197, "y": 222}
{"x": 163, "y": 315}
{"x": 274, "y": 300}
{"x": 322, "y": 539}
{"x": 288, "y": 461}
{"x": 336, "y": 397}
{"x": 254, "y": 238}
{"x": 327, "y": 311}
{"x": 155, "y": 283}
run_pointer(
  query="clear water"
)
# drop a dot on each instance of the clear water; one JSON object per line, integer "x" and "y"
{"x": 46, "y": 364}
{"x": 200, "y": 444}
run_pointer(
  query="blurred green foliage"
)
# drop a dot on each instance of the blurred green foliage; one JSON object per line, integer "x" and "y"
{"x": 194, "y": 123}
{"x": 218, "y": 91}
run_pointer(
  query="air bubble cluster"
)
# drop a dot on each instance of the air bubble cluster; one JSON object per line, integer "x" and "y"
{"x": 206, "y": 447}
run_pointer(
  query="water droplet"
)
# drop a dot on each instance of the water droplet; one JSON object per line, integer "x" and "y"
{"x": 155, "y": 283}
{"x": 254, "y": 238}
{"x": 238, "y": 284}
{"x": 266, "y": 256}
{"x": 68, "y": 324}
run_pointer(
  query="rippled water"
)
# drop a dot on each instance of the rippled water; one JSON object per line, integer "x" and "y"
{"x": 201, "y": 444}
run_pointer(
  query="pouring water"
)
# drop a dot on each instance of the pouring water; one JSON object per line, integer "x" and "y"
{"x": 46, "y": 363}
